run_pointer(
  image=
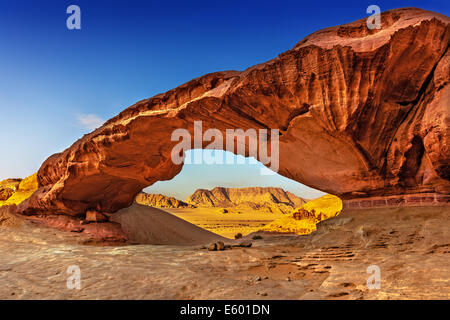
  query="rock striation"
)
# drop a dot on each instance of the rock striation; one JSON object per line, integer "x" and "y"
{"x": 361, "y": 113}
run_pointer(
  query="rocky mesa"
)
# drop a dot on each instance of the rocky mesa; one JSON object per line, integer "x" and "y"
{"x": 160, "y": 201}
{"x": 269, "y": 199}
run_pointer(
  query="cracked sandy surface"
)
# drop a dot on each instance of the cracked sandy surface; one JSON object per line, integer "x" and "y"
{"x": 410, "y": 245}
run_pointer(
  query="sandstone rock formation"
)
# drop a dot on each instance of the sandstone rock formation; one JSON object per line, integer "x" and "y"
{"x": 256, "y": 198}
{"x": 361, "y": 113}
{"x": 5, "y": 193}
{"x": 304, "y": 219}
{"x": 161, "y": 201}
{"x": 14, "y": 191}
{"x": 8, "y": 187}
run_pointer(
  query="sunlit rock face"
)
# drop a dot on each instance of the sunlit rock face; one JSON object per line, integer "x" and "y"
{"x": 361, "y": 113}
{"x": 268, "y": 199}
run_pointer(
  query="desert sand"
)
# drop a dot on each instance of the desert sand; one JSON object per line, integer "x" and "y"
{"x": 410, "y": 245}
{"x": 147, "y": 225}
{"x": 226, "y": 224}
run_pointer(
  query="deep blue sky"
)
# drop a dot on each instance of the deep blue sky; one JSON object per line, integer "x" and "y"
{"x": 54, "y": 81}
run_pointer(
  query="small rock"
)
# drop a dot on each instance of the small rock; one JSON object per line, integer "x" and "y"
{"x": 238, "y": 235}
{"x": 212, "y": 247}
{"x": 77, "y": 229}
{"x": 258, "y": 278}
{"x": 220, "y": 245}
{"x": 245, "y": 244}
{"x": 95, "y": 216}
{"x": 288, "y": 279}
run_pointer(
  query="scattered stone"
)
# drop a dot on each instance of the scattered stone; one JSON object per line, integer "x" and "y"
{"x": 245, "y": 244}
{"x": 258, "y": 278}
{"x": 212, "y": 247}
{"x": 220, "y": 245}
{"x": 238, "y": 236}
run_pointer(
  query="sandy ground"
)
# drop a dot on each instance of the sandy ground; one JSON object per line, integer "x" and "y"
{"x": 228, "y": 224}
{"x": 147, "y": 225}
{"x": 409, "y": 245}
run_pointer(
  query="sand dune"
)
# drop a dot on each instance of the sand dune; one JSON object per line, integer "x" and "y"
{"x": 147, "y": 225}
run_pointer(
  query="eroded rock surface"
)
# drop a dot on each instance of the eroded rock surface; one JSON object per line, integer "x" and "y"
{"x": 8, "y": 187}
{"x": 361, "y": 113}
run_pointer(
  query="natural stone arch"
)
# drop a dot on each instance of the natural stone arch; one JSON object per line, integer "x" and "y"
{"x": 353, "y": 108}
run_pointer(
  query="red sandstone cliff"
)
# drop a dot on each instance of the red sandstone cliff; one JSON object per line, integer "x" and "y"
{"x": 361, "y": 112}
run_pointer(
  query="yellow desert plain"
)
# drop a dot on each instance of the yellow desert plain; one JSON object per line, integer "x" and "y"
{"x": 228, "y": 224}
{"x": 231, "y": 221}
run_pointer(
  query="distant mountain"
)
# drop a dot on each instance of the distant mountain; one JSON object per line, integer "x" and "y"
{"x": 269, "y": 199}
{"x": 161, "y": 201}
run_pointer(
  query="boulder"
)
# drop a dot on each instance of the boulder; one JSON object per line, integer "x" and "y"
{"x": 95, "y": 216}
{"x": 220, "y": 246}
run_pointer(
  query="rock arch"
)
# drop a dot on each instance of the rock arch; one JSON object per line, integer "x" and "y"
{"x": 353, "y": 106}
